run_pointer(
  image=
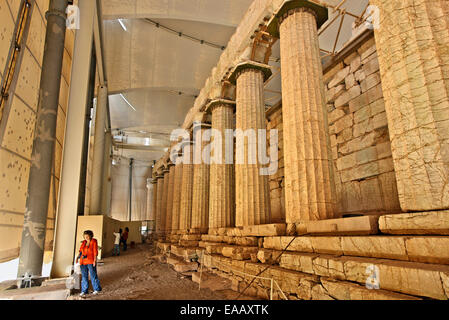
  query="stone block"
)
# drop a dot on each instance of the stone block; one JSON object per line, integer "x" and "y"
{"x": 339, "y": 77}
{"x": 350, "y": 81}
{"x": 347, "y": 96}
{"x": 411, "y": 278}
{"x": 344, "y": 226}
{"x": 343, "y": 290}
{"x": 359, "y": 75}
{"x": 370, "y": 81}
{"x": 334, "y": 93}
{"x": 428, "y": 249}
{"x": 368, "y": 52}
{"x": 238, "y": 252}
{"x": 356, "y": 63}
{"x": 268, "y": 256}
{"x": 335, "y": 115}
{"x": 432, "y": 222}
{"x": 329, "y": 75}
{"x": 345, "y": 135}
{"x": 265, "y": 230}
{"x": 362, "y": 114}
{"x": 344, "y": 123}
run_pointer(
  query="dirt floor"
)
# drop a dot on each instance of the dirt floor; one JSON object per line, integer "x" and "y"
{"x": 136, "y": 275}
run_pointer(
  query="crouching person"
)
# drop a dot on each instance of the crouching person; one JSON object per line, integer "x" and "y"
{"x": 88, "y": 262}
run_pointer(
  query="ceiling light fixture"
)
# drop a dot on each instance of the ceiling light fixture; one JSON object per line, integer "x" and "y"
{"x": 122, "y": 24}
{"x": 129, "y": 104}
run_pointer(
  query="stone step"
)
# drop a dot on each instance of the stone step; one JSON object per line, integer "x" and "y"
{"x": 364, "y": 225}
{"x": 239, "y": 252}
{"x": 427, "y": 249}
{"x": 52, "y": 292}
{"x": 191, "y": 237}
{"x": 163, "y": 246}
{"x": 186, "y": 253}
{"x": 413, "y": 278}
{"x": 188, "y": 243}
{"x": 238, "y": 240}
{"x": 182, "y": 266}
{"x": 211, "y": 281}
{"x": 265, "y": 230}
{"x": 432, "y": 222}
{"x": 294, "y": 284}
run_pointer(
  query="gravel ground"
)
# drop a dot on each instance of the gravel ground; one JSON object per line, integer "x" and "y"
{"x": 136, "y": 275}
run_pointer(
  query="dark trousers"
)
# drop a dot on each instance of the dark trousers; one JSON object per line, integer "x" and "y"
{"x": 125, "y": 245}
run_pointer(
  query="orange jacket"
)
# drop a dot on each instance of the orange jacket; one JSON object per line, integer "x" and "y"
{"x": 90, "y": 251}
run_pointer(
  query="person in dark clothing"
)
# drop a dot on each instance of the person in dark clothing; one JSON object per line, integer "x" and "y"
{"x": 125, "y": 238}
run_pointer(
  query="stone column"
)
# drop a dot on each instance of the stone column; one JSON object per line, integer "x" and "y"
{"x": 177, "y": 196}
{"x": 412, "y": 46}
{"x": 160, "y": 191}
{"x": 164, "y": 202}
{"x": 153, "y": 213}
{"x": 201, "y": 172}
{"x": 171, "y": 185}
{"x": 150, "y": 193}
{"x": 221, "y": 195}
{"x": 185, "y": 211}
{"x": 251, "y": 188}
{"x": 309, "y": 189}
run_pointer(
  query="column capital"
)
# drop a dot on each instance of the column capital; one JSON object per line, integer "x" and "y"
{"x": 219, "y": 102}
{"x": 243, "y": 66}
{"x": 289, "y": 7}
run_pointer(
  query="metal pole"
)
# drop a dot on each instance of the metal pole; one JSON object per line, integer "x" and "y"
{"x": 96, "y": 186}
{"x": 131, "y": 162}
{"x": 84, "y": 160}
{"x": 35, "y": 219}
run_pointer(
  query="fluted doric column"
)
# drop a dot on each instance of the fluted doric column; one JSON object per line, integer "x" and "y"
{"x": 149, "y": 210}
{"x": 177, "y": 195}
{"x": 251, "y": 187}
{"x": 164, "y": 201}
{"x": 153, "y": 214}
{"x": 309, "y": 189}
{"x": 221, "y": 192}
{"x": 185, "y": 211}
{"x": 412, "y": 45}
{"x": 160, "y": 192}
{"x": 201, "y": 172}
{"x": 171, "y": 185}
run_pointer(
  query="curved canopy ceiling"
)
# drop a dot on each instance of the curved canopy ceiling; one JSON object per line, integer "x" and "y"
{"x": 156, "y": 63}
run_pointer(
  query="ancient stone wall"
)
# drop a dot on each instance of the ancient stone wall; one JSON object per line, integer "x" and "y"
{"x": 18, "y": 121}
{"x": 276, "y": 181}
{"x": 361, "y": 149}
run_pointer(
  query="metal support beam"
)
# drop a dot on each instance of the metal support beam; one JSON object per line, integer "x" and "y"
{"x": 131, "y": 163}
{"x": 98, "y": 151}
{"x": 35, "y": 219}
{"x": 85, "y": 157}
{"x": 66, "y": 221}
